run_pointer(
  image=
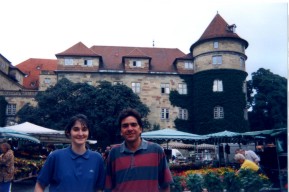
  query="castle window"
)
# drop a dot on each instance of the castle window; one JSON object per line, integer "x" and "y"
{"x": 216, "y": 44}
{"x": 165, "y": 88}
{"x": 88, "y": 62}
{"x": 182, "y": 89}
{"x": 183, "y": 114}
{"x": 11, "y": 109}
{"x": 165, "y": 113}
{"x": 189, "y": 65}
{"x": 218, "y": 86}
{"x": 47, "y": 80}
{"x": 217, "y": 59}
{"x": 218, "y": 112}
{"x": 242, "y": 62}
{"x": 136, "y": 63}
{"x": 135, "y": 87}
{"x": 68, "y": 61}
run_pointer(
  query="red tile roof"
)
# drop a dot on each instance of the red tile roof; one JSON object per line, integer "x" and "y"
{"x": 218, "y": 28}
{"x": 161, "y": 58}
{"x": 79, "y": 49}
{"x": 33, "y": 67}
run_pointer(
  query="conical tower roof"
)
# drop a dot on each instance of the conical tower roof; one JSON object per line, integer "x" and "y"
{"x": 219, "y": 28}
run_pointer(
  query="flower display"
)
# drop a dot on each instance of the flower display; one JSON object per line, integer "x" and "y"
{"x": 218, "y": 179}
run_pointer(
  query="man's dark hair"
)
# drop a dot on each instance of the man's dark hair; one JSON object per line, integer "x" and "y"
{"x": 79, "y": 117}
{"x": 129, "y": 112}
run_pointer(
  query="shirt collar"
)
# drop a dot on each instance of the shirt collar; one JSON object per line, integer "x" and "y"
{"x": 74, "y": 155}
{"x": 123, "y": 148}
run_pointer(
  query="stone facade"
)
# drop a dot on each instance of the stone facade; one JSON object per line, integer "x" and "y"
{"x": 150, "y": 91}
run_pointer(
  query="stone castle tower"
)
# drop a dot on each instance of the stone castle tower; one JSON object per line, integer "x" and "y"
{"x": 219, "y": 81}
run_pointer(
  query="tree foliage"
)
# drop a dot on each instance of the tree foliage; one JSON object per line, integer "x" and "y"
{"x": 267, "y": 97}
{"x": 100, "y": 104}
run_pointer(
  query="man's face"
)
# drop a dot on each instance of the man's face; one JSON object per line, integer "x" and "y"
{"x": 130, "y": 129}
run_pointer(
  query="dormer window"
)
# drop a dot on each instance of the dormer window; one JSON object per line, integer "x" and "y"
{"x": 189, "y": 65}
{"x": 38, "y": 67}
{"x": 88, "y": 62}
{"x": 68, "y": 61}
{"x": 136, "y": 63}
{"x": 232, "y": 28}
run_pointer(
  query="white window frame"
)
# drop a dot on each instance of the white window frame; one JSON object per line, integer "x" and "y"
{"x": 117, "y": 83}
{"x": 216, "y": 44}
{"x": 136, "y": 63}
{"x": 68, "y": 61}
{"x": 11, "y": 109}
{"x": 189, "y": 65}
{"x": 47, "y": 80}
{"x": 88, "y": 62}
{"x": 218, "y": 112}
{"x": 218, "y": 85}
{"x": 217, "y": 60}
{"x": 165, "y": 113}
{"x": 135, "y": 87}
{"x": 165, "y": 88}
{"x": 183, "y": 114}
{"x": 182, "y": 89}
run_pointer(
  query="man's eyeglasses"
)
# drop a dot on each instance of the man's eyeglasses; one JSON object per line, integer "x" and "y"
{"x": 125, "y": 125}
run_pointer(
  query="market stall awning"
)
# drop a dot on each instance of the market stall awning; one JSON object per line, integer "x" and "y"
{"x": 31, "y": 128}
{"x": 271, "y": 132}
{"x": 171, "y": 135}
{"x": 224, "y": 137}
{"x": 9, "y": 133}
{"x": 177, "y": 145}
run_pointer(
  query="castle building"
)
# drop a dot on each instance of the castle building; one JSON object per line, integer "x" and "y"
{"x": 153, "y": 73}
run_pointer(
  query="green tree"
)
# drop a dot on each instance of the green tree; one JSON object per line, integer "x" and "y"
{"x": 3, "y": 105}
{"x": 267, "y": 97}
{"x": 100, "y": 104}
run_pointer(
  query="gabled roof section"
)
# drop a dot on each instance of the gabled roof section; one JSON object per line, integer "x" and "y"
{"x": 161, "y": 58}
{"x": 219, "y": 28}
{"x": 78, "y": 49}
{"x": 136, "y": 53}
{"x": 32, "y": 68}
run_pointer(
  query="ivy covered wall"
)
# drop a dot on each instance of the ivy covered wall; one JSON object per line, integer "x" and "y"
{"x": 201, "y": 100}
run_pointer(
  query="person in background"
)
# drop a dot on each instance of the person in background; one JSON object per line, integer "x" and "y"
{"x": 74, "y": 168}
{"x": 245, "y": 164}
{"x": 6, "y": 167}
{"x": 249, "y": 155}
{"x": 49, "y": 149}
{"x": 136, "y": 164}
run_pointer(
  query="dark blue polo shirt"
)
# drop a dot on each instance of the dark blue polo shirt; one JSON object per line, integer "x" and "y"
{"x": 65, "y": 170}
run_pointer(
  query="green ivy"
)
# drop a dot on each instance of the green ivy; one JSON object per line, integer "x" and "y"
{"x": 3, "y": 105}
{"x": 201, "y": 100}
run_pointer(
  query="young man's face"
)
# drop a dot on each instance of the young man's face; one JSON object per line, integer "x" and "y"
{"x": 130, "y": 129}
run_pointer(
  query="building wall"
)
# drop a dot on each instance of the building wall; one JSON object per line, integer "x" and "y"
{"x": 8, "y": 84}
{"x": 150, "y": 93}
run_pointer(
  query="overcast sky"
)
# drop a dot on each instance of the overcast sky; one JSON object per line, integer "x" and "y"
{"x": 43, "y": 28}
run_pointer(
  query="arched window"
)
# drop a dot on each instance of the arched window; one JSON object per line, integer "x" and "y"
{"x": 218, "y": 85}
{"x": 218, "y": 112}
